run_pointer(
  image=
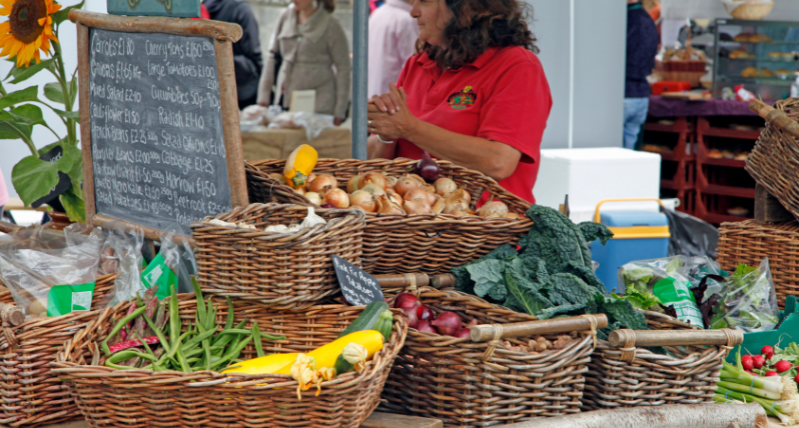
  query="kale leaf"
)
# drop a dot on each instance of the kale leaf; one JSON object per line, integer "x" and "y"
{"x": 593, "y": 231}
{"x": 463, "y": 280}
{"x": 487, "y": 275}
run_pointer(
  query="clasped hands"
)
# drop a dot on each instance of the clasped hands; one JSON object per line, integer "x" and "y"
{"x": 388, "y": 115}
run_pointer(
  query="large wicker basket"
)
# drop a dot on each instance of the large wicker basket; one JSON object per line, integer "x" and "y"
{"x": 749, "y": 242}
{"x": 750, "y": 11}
{"x": 468, "y": 384}
{"x": 773, "y": 161}
{"x": 411, "y": 243}
{"x": 285, "y": 271}
{"x": 142, "y": 398}
{"x": 629, "y": 376}
{"x": 32, "y": 395}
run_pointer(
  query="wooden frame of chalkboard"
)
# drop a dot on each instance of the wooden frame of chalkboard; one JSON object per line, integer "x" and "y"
{"x": 223, "y": 36}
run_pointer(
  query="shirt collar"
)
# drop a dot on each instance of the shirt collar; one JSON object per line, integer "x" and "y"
{"x": 425, "y": 61}
{"x": 402, "y": 4}
{"x": 634, "y": 6}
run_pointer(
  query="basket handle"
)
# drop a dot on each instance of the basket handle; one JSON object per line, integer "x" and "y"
{"x": 596, "y": 214}
{"x": 11, "y": 314}
{"x": 488, "y": 332}
{"x": 626, "y": 338}
{"x": 775, "y": 116}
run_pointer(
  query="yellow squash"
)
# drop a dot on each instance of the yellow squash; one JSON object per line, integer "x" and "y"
{"x": 299, "y": 165}
{"x": 327, "y": 355}
{"x": 264, "y": 365}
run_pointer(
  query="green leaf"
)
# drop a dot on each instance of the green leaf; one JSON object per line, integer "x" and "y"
{"x": 568, "y": 289}
{"x": 74, "y": 205}
{"x": 21, "y": 74}
{"x": 560, "y": 310}
{"x": 68, "y": 114}
{"x": 33, "y": 178}
{"x": 71, "y": 163}
{"x": 27, "y": 114}
{"x": 54, "y": 92}
{"x": 486, "y": 275}
{"x": 21, "y": 96}
{"x": 523, "y": 293}
{"x": 623, "y": 312}
{"x": 593, "y": 231}
{"x": 63, "y": 14}
{"x": 463, "y": 281}
{"x": 10, "y": 129}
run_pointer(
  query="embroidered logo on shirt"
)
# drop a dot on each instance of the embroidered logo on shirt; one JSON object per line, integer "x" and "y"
{"x": 463, "y": 99}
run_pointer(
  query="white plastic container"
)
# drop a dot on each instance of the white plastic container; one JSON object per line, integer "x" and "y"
{"x": 591, "y": 175}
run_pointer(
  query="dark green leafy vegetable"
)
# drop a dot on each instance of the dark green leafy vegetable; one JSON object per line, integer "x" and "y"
{"x": 551, "y": 276}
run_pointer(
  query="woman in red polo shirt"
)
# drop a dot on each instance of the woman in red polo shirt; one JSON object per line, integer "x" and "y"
{"x": 474, "y": 94}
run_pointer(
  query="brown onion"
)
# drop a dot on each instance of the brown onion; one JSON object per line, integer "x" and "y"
{"x": 438, "y": 207}
{"x": 512, "y": 215}
{"x": 451, "y": 206}
{"x": 314, "y": 198}
{"x": 279, "y": 177}
{"x": 406, "y": 184}
{"x": 391, "y": 181}
{"x": 373, "y": 178}
{"x": 416, "y": 206}
{"x": 394, "y": 196}
{"x": 421, "y": 194}
{"x": 299, "y": 190}
{"x": 493, "y": 209}
{"x": 385, "y": 206}
{"x": 445, "y": 186}
{"x": 458, "y": 194}
{"x": 352, "y": 184}
{"x": 374, "y": 189}
{"x": 323, "y": 183}
{"x": 337, "y": 197}
{"x": 461, "y": 213}
{"x": 364, "y": 200}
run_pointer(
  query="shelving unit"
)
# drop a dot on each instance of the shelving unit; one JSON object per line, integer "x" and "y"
{"x": 723, "y": 183}
{"x": 678, "y": 166}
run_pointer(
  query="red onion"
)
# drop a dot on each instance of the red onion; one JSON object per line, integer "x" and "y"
{"x": 424, "y": 327}
{"x": 447, "y": 323}
{"x": 413, "y": 314}
{"x": 426, "y": 314}
{"x": 427, "y": 167}
{"x": 405, "y": 300}
{"x": 326, "y": 205}
{"x": 464, "y": 332}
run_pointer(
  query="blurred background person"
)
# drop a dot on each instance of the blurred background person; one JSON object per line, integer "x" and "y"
{"x": 642, "y": 46}
{"x": 247, "y": 58}
{"x": 309, "y": 50}
{"x": 392, "y": 40}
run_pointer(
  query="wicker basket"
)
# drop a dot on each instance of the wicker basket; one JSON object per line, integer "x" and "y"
{"x": 285, "y": 271}
{"x": 32, "y": 395}
{"x": 749, "y": 242}
{"x": 141, "y": 398}
{"x": 412, "y": 243}
{"x": 629, "y": 376}
{"x": 459, "y": 382}
{"x": 750, "y": 11}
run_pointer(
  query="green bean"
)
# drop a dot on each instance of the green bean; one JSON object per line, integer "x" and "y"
{"x": 174, "y": 317}
{"x": 125, "y": 355}
{"x": 199, "y": 338}
{"x": 256, "y": 338}
{"x": 245, "y": 331}
{"x": 230, "y": 314}
{"x": 207, "y": 349}
{"x": 233, "y": 352}
{"x": 120, "y": 324}
{"x": 182, "y": 361}
{"x": 224, "y": 339}
{"x": 198, "y": 293}
{"x": 210, "y": 319}
{"x": 161, "y": 337}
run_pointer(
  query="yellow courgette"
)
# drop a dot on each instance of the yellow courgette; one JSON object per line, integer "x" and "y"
{"x": 264, "y": 365}
{"x": 299, "y": 165}
{"x": 326, "y": 356}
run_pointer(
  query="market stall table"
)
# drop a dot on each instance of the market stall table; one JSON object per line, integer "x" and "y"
{"x": 269, "y": 143}
{"x": 703, "y": 145}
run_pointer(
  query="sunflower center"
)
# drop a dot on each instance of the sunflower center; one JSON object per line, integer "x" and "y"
{"x": 24, "y": 19}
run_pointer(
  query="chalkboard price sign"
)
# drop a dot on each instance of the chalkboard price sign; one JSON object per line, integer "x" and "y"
{"x": 358, "y": 287}
{"x": 158, "y": 122}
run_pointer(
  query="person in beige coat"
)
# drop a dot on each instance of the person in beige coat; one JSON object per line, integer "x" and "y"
{"x": 314, "y": 54}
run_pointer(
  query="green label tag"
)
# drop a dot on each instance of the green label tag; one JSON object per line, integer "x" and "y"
{"x": 158, "y": 273}
{"x": 65, "y": 299}
{"x": 674, "y": 292}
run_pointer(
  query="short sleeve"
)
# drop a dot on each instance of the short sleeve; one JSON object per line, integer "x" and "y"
{"x": 516, "y": 111}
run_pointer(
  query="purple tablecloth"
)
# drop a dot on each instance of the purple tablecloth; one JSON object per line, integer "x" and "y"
{"x": 669, "y": 107}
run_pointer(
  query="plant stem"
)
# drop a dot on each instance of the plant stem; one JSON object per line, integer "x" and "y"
{"x": 71, "y": 126}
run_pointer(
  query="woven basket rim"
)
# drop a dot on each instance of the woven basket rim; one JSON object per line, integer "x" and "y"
{"x": 413, "y": 219}
{"x": 302, "y": 234}
{"x": 69, "y": 369}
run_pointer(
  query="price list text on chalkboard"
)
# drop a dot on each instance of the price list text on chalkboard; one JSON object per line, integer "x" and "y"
{"x": 358, "y": 287}
{"x": 160, "y": 151}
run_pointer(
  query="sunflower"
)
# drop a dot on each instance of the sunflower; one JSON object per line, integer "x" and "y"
{"x": 28, "y": 30}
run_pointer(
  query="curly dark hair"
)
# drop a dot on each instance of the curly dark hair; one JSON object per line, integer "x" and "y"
{"x": 478, "y": 25}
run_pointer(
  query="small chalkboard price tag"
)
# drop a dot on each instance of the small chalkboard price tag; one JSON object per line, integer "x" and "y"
{"x": 358, "y": 287}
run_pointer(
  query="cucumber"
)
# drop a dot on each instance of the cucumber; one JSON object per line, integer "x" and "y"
{"x": 367, "y": 319}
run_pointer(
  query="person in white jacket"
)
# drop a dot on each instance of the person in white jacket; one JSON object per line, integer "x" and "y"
{"x": 392, "y": 40}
